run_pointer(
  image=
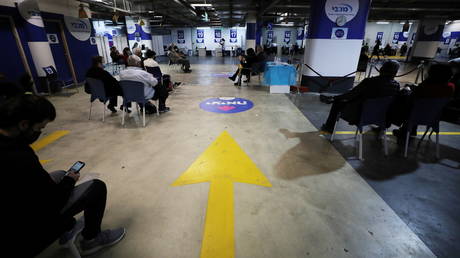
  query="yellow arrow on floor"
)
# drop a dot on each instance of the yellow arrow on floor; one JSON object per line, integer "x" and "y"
{"x": 40, "y": 144}
{"x": 222, "y": 164}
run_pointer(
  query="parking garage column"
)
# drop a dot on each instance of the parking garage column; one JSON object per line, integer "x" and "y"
{"x": 251, "y": 29}
{"x": 35, "y": 34}
{"x": 427, "y": 39}
{"x": 334, "y": 39}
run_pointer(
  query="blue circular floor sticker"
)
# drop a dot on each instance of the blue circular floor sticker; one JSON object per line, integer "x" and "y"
{"x": 226, "y": 105}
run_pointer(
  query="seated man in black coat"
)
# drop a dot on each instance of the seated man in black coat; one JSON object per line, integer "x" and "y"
{"x": 38, "y": 206}
{"x": 111, "y": 86}
{"x": 350, "y": 103}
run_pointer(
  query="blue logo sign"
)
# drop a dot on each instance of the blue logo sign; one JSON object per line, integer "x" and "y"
{"x": 200, "y": 34}
{"x": 217, "y": 33}
{"x": 339, "y": 33}
{"x": 233, "y": 34}
{"x": 379, "y": 35}
{"x": 180, "y": 34}
{"x": 226, "y": 105}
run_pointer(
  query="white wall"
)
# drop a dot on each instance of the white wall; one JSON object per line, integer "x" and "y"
{"x": 278, "y": 35}
{"x": 209, "y": 38}
{"x": 388, "y": 32}
{"x": 187, "y": 37}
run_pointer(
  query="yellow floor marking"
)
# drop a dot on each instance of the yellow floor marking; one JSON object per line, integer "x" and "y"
{"x": 390, "y": 133}
{"x": 221, "y": 164}
{"x": 44, "y": 161}
{"x": 38, "y": 145}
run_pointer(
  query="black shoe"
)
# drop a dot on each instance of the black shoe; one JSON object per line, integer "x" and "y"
{"x": 188, "y": 71}
{"x": 401, "y": 138}
{"x": 231, "y": 78}
{"x": 247, "y": 81}
{"x": 165, "y": 109}
{"x": 112, "y": 108}
{"x": 326, "y": 99}
{"x": 326, "y": 129}
{"x": 128, "y": 110}
{"x": 177, "y": 84}
{"x": 237, "y": 84}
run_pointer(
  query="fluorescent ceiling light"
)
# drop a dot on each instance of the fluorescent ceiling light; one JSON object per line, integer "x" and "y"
{"x": 405, "y": 23}
{"x": 383, "y": 22}
{"x": 201, "y": 5}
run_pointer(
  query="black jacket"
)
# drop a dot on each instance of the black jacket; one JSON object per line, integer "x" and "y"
{"x": 375, "y": 87}
{"x": 111, "y": 85}
{"x": 31, "y": 200}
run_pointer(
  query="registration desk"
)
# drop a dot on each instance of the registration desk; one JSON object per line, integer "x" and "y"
{"x": 279, "y": 77}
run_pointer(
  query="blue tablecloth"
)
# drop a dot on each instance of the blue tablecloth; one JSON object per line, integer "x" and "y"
{"x": 279, "y": 74}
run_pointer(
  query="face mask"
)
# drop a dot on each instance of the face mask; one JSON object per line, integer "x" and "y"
{"x": 30, "y": 136}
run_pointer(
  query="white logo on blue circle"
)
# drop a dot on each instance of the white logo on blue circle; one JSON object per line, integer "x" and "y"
{"x": 226, "y": 105}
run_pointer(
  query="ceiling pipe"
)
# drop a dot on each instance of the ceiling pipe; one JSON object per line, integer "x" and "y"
{"x": 106, "y": 6}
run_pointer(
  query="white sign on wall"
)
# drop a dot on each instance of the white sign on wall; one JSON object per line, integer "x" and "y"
{"x": 79, "y": 28}
{"x": 341, "y": 12}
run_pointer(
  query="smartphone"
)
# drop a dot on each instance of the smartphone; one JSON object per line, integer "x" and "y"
{"x": 77, "y": 167}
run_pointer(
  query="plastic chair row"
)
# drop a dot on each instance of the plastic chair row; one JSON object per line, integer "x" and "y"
{"x": 133, "y": 91}
{"x": 425, "y": 111}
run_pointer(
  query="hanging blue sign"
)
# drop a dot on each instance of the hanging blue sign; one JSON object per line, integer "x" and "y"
{"x": 217, "y": 34}
{"x": 396, "y": 37}
{"x": 180, "y": 34}
{"x": 226, "y": 105}
{"x": 287, "y": 34}
{"x": 270, "y": 34}
{"x": 269, "y": 26}
{"x": 233, "y": 34}
{"x": 200, "y": 34}
{"x": 379, "y": 35}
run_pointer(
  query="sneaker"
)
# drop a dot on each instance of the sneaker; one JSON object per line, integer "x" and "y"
{"x": 231, "y": 78}
{"x": 71, "y": 234}
{"x": 164, "y": 110}
{"x": 105, "y": 238}
{"x": 177, "y": 84}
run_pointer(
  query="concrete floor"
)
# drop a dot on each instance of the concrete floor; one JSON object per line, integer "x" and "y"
{"x": 318, "y": 205}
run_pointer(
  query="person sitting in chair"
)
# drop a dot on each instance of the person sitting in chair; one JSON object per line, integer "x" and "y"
{"x": 245, "y": 66}
{"x": 178, "y": 58}
{"x": 134, "y": 72}
{"x": 111, "y": 86}
{"x": 349, "y": 104}
{"x": 151, "y": 62}
{"x": 436, "y": 85}
{"x": 41, "y": 206}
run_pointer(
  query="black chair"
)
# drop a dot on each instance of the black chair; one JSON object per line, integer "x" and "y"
{"x": 427, "y": 112}
{"x": 373, "y": 112}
